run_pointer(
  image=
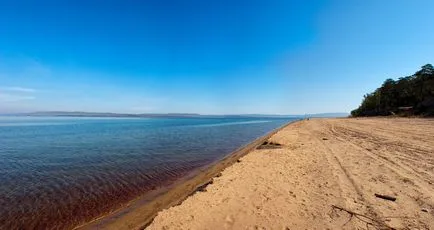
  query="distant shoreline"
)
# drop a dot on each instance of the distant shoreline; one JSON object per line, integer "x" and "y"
{"x": 168, "y": 115}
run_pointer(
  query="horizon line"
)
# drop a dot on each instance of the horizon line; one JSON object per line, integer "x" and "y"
{"x": 168, "y": 113}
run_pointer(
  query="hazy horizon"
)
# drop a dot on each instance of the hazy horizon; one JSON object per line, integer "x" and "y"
{"x": 224, "y": 57}
{"x": 172, "y": 113}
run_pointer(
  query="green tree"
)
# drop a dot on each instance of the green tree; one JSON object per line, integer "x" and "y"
{"x": 415, "y": 91}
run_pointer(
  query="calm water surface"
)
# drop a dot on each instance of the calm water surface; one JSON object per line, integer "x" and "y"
{"x": 58, "y": 172}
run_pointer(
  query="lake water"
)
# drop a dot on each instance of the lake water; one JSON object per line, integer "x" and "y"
{"x": 57, "y": 172}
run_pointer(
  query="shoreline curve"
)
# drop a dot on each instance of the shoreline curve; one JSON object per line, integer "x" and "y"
{"x": 140, "y": 212}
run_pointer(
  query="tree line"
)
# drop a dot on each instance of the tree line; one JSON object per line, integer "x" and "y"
{"x": 410, "y": 95}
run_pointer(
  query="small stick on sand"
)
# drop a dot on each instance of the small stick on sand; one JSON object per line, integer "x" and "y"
{"x": 386, "y": 197}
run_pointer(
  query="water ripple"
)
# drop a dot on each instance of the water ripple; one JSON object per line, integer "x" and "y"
{"x": 58, "y": 176}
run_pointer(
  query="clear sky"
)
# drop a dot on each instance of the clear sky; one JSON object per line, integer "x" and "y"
{"x": 209, "y": 57}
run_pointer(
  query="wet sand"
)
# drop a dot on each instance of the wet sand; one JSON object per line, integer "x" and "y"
{"x": 324, "y": 175}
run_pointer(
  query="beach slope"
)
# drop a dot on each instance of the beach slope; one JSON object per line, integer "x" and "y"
{"x": 327, "y": 174}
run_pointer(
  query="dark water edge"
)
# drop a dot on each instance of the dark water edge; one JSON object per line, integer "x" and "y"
{"x": 63, "y": 193}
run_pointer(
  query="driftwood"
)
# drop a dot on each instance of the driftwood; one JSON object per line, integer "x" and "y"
{"x": 369, "y": 221}
{"x": 270, "y": 145}
{"x": 386, "y": 197}
{"x": 202, "y": 188}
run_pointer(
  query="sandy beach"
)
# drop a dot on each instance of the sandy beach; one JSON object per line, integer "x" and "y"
{"x": 325, "y": 175}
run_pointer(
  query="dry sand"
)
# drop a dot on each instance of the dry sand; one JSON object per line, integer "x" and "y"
{"x": 322, "y": 163}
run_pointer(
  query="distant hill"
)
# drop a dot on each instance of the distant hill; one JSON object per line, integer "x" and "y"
{"x": 411, "y": 95}
{"x": 171, "y": 115}
{"x": 94, "y": 114}
{"x": 76, "y": 114}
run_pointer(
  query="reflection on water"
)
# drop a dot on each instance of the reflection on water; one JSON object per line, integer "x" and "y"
{"x": 59, "y": 172}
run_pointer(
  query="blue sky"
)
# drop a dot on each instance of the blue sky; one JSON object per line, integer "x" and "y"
{"x": 209, "y": 57}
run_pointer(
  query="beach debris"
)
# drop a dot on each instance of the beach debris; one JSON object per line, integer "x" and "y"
{"x": 324, "y": 139}
{"x": 202, "y": 188}
{"x": 238, "y": 160}
{"x": 369, "y": 221}
{"x": 424, "y": 210}
{"x": 270, "y": 145}
{"x": 385, "y": 197}
{"x": 219, "y": 174}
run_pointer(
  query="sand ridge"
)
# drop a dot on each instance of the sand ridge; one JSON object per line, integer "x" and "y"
{"x": 322, "y": 165}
